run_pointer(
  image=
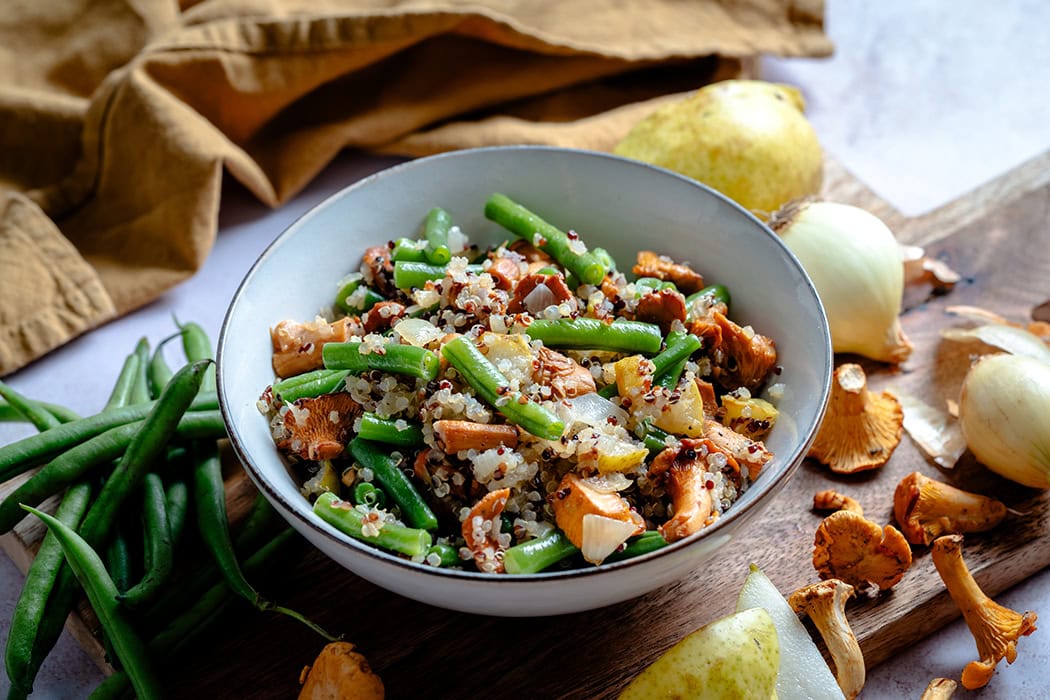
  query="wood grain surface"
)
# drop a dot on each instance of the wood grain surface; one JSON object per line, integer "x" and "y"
{"x": 997, "y": 237}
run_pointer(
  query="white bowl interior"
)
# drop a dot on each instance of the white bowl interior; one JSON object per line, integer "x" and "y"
{"x": 621, "y": 205}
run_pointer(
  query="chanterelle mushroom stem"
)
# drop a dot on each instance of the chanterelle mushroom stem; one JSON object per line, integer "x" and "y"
{"x": 825, "y": 604}
{"x": 939, "y": 689}
{"x": 995, "y": 629}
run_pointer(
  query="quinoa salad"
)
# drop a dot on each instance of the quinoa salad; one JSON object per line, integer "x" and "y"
{"x": 530, "y": 407}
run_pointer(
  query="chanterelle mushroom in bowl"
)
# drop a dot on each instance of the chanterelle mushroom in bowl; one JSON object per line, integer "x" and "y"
{"x": 530, "y": 388}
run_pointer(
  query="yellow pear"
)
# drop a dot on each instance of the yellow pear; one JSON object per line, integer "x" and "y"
{"x": 748, "y": 139}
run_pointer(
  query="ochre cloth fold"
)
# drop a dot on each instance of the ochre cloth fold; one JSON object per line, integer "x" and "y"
{"x": 119, "y": 117}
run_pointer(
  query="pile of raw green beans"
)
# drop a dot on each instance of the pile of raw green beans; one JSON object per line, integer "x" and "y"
{"x": 130, "y": 478}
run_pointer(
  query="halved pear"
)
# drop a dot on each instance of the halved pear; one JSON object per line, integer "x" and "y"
{"x": 733, "y": 658}
{"x": 804, "y": 675}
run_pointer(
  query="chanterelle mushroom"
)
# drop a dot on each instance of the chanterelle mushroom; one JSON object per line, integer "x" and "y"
{"x": 850, "y": 547}
{"x": 825, "y": 604}
{"x": 340, "y": 673}
{"x": 926, "y": 509}
{"x": 861, "y": 429}
{"x": 833, "y": 500}
{"x": 995, "y": 629}
{"x": 318, "y": 428}
{"x": 939, "y": 689}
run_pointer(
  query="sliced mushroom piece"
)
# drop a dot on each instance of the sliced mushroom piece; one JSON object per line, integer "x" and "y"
{"x": 825, "y": 604}
{"x": 861, "y": 429}
{"x": 996, "y": 629}
{"x": 297, "y": 346}
{"x": 382, "y": 316}
{"x": 926, "y": 508}
{"x": 566, "y": 378}
{"x": 745, "y": 358}
{"x": 458, "y": 435}
{"x": 939, "y": 689}
{"x": 506, "y": 272}
{"x": 536, "y": 292}
{"x": 318, "y": 428}
{"x": 850, "y": 547}
{"x": 685, "y": 466}
{"x": 377, "y": 267}
{"x": 662, "y": 267}
{"x": 481, "y": 531}
{"x": 575, "y": 498}
{"x": 749, "y": 453}
{"x": 662, "y": 307}
{"x": 833, "y": 500}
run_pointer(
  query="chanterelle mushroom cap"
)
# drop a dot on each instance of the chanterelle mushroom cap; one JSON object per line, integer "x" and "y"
{"x": 825, "y": 604}
{"x": 861, "y": 429}
{"x": 340, "y": 672}
{"x": 926, "y": 508}
{"x": 995, "y": 629}
{"x": 850, "y": 547}
{"x": 318, "y": 428}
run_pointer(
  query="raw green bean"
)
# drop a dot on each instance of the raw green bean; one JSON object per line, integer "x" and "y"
{"x": 595, "y": 334}
{"x": 159, "y": 372}
{"x": 347, "y": 287}
{"x": 493, "y": 387}
{"x": 414, "y": 510}
{"x": 447, "y": 554}
{"x": 197, "y": 346}
{"x": 366, "y": 494}
{"x": 77, "y": 461}
{"x": 648, "y": 541}
{"x": 210, "y": 498}
{"x": 393, "y": 432}
{"x": 118, "y": 559}
{"x": 92, "y": 575}
{"x": 121, "y": 394}
{"x": 408, "y": 249}
{"x": 17, "y": 457}
{"x": 321, "y": 381}
{"x": 435, "y": 232}
{"x": 536, "y": 555}
{"x": 256, "y": 525}
{"x": 21, "y": 656}
{"x": 588, "y": 267}
{"x": 40, "y": 417}
{"x": 415, "y": 275}
{"x": 10, "y": 414}
{"x": 394, "y": 358}
{"x": 176, "y": 504}
{"x": 344, "y": 517}
{"x": 157, "y": 543}
{"x": 140, "y": 385}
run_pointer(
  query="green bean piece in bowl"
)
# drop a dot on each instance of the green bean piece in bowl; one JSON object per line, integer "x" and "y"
{"x": 568, "y": 411}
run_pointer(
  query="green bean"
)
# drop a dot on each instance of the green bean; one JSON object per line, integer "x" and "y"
{"x": 538, "y": 554}
{"x": 121, "y": 394}
{"x": 669, "y": 379}
{"x": 256, "y": 525}
{"x": 22, "y": 656}
{"x": 159, "y": 372}
{"x": 393, "y": 432}
{"x": 717, "y": 292}
{"x": 79, "y": 460}
{"x": 409, "y": 250}
{"x": 447, "y": 554}
{"x": 548, "y": 270}
{"x": 654, "y": 283}
{"x": 366, "y": 494}
{"x": 606, "y": 259}
{"x": 40, "y": 417}
{"x": 92, "y": 575}
{"x": 669, "y": 364}
{"x": 393, "y": 358}
{"x": 595, "y": 334}
{"x": 397, "y": 486}
{"x": 415, "y": 275}
{"x": 140, "y": 385}
{"x": 655, "y": 440}
{"x": 156, "y": 538}
{"x": 118, "y": 559}
{"x": 18, "y": 457}
{"x": 435, "y": 231}
{"x": 321, "y": 381}
{"x": 493, "y": 387}
{"x": 213, "y": 525}
{"x": 588, "y": 267}
{"x": 344, "y": 517}
{"x": 10, "y": 414}
{"x": 648, "y": 541}
{"x": 347, "y": 287}
{"x": 609, "y": 390}
{"x": 176, "y": 505}
{"x": 196, "y": 346}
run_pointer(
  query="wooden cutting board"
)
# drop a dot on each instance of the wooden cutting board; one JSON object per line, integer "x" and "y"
{"x": 997, "y": 237}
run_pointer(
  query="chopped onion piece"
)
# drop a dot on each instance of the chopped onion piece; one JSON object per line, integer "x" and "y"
{"x": 607, "y": 483}
{"x": 416, "y": 331}
{"x": 592, "y": 409}
{"x": 602, "y": 536}
{"x": 539, "y": 299}
{"x": 935, "y": 431}
{"x": 1014, "y": 340}
{"x": 457, "y": 240}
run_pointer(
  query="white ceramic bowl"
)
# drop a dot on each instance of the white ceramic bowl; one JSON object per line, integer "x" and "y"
{"x": 620, "y": 204}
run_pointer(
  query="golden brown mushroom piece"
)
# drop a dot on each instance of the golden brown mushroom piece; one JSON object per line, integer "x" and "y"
{"x": 939, "y": 689}
{"x": 744, "y": 358}
{"x": 747, "y": 452}
{"x": 457, "y": 435}
{"x": 825, "y": 604}
{"x": 926, "y": 508}
{"x": 318, "y": 428}
{"x": 850, "y": 547}
{"x": 297, "y": 346}
{"x": 833, "y": 500}
{"x": 340, "y": 673}
{"x": 995, "y": 629}
{"x": 481, "y": 531}
{"x": 574, "y": 499}
{"x": 861, "y": 429}
{"x": 685, "y": 465}
{"x": 566, "y": 377}
{"x": 662, "y": 307}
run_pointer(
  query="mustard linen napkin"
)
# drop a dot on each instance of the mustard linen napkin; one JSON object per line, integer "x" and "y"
{"x": 118, "y": 118}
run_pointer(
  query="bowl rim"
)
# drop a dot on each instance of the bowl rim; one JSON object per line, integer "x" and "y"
{"x": 337, "y": 538}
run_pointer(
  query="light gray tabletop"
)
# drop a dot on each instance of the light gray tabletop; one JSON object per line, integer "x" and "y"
{"x": 922, "y": 101}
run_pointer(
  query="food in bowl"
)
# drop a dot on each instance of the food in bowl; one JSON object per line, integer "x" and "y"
{"x": 524, "y": 407}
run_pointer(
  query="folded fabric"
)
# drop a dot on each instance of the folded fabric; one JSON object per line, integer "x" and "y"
{"x": 119, "y": 117}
